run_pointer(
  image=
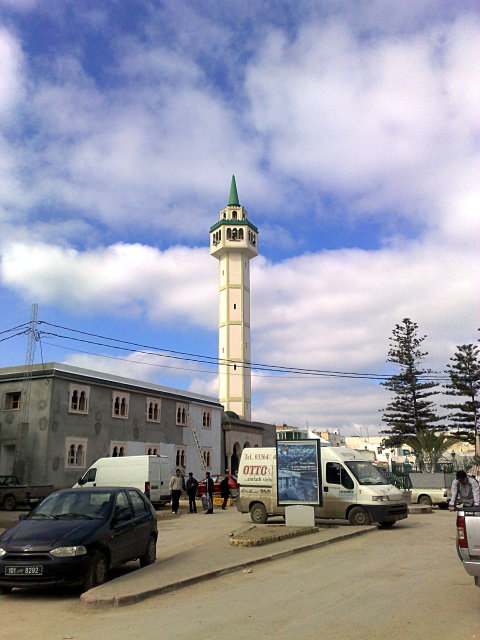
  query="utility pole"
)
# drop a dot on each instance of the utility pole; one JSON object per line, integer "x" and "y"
{"x": 27, "y": 376}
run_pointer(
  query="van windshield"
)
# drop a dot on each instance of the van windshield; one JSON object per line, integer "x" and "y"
{"x": 366, "y": 473}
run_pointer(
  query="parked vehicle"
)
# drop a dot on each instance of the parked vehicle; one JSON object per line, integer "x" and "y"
{"x": 232, "y": 483}
{"x": 13, "y": 493}
{"x": 352, "y": 488}
{"x": 468, "y": 540}
{"x": 431, "y": 488}
{"x": 150, "y": 474}
{"x": 75, "y": 536}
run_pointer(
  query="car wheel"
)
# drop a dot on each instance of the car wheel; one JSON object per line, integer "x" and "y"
{"x": 258, "y": 513}
{"x": 385, "y": 525}
{"x": 358, "y": 516}
{"x": 5, "y": 590}
{"x": 425, "y": 500}
{"x": 9, "y": 503}
{"x": 150, "y": 554}
{"x": 97, "y": 572}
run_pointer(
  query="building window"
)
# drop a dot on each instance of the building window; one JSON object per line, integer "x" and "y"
{"x": 229, "y": 234}
{"x": 152, "y": 449}
{"x": 118, "y": 449}
{"x": 234, "y": 215}
{"x": 207, "y": 458}
{"x": 182, "y": 413}
{"x": 153, "y": 410}
{"x": 12, "y": 401}
{"x": 75, "y": 453}
{"x": 207, "y": 419}
{"x": 240, "y": 234}
{"x": 180, "y": 457}
{"x": 120, "y": 405}
{"x": 79, "y": 398}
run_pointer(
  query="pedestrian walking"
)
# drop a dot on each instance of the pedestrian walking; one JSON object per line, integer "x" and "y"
{"x": 209, "y": 487}
{"x": 191, "y": 486}
{"x": 225, "y": 491}
{"x": 176, "y": 487}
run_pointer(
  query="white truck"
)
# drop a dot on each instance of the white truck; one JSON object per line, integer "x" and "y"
{"x": 150, "y": 474}
{"x": 351, "y": 488}
{"x": 468, "y": 540}
{"x": 431, "y": 488}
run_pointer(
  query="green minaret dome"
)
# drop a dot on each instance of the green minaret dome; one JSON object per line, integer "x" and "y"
{"x": 233, "y": 197}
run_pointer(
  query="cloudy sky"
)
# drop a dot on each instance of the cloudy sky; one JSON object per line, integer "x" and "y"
{"x": 352, "y": 130}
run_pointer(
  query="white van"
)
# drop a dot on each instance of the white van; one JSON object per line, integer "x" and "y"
{"x": 150, "y": 474}
{"x": 351, "y": 488}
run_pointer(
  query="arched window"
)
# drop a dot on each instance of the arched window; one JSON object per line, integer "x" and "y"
{"x": 234, "y": 215}
{"x": 123, "y": 407}
{"x": 149, "y": 452}
{"x": 155, "y": 411}
{"x": 177, "y": 458}
{"x": 150, "y": 410}
{"x": 115, "y": 452}
{"x": 229, "y": 234}
{"x": 204, "y": 420}
{"x": 182, "y": 458}
{"x": 82, "y": 403}
{"x": 184, "y": 416}
{"x": 179, "y": 416}
{"x": 240, "y": 234}
{"x": 71, "y": 454}
{"x": 155, "y": 452}
{"x": 121, "y": 451}
{"x": 219, "y": 235}
{"x": 74, "y": 404}
{"x": 79, "y": 455}
{"x": 116, "y": 406}
{"x": 234, "y": 234}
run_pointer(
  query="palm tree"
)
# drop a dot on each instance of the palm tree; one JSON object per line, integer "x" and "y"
{"x": 429, "y": 447}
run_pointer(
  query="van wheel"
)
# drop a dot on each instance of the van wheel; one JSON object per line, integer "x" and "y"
{"x": 150, "y": 554}
{"x": 258, "y": 513}
{"x": 97, "y": 571}
{"x": 425, "y": 500}
{"x": 9, "y": 503}
{"x": 385, "y": 525}
{"x": 358, "y": 516}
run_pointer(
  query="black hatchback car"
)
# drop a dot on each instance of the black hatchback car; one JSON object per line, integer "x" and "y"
{"x": 75, "y": 536}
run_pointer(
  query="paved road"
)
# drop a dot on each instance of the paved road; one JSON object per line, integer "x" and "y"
{"x": 404, "y": 583}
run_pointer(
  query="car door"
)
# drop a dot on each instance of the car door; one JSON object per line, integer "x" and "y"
{"x": 122, "y": 538}
{"x": 338, "y": 490}
{"x": 143, "y": 523}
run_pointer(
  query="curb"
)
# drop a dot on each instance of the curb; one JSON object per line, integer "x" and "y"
{"x": 133, "y": 598}
{"x": 236, "y": 540}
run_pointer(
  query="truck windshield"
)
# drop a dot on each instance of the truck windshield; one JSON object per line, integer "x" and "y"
{"x": 366, "y": 473}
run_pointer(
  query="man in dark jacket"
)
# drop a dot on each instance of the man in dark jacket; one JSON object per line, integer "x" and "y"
{"x": 209, "y": 487}
{"x": 225, "y": 491}
{"x": 191, "y": 486}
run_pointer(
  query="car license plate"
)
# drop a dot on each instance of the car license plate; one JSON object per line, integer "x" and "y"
{"x": 34, "y": 570}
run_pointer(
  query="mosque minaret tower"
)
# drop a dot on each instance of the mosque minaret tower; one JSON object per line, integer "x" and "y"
{"x": 234, "y": 242}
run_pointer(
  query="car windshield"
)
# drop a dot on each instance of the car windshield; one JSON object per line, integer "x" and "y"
{"x": 365, "y": 473}
{"x": 74, "y": 504}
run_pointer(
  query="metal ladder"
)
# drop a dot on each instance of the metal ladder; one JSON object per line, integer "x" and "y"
{"x": 199, "y": 448}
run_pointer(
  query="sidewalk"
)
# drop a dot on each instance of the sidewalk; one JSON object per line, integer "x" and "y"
{"x": 195, "y": 547}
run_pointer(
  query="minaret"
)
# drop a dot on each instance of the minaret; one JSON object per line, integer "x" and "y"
{"x": 234, "y": 241}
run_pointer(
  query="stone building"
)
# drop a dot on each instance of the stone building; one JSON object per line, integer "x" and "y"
{"x": 76, "y": 416}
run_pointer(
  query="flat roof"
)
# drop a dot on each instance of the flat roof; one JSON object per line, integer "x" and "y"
{"x": 58, "y": 369}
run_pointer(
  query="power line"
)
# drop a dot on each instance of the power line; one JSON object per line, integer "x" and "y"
{"x": 210, "y": 360}
{"x": 20, "y": 333}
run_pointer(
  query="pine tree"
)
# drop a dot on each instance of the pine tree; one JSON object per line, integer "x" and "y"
{"x": 411, "y": 409}
{"x": 464, "y": 373}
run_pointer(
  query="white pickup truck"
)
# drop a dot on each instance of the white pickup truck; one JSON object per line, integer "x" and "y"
{"x": 468, "y": 540}
{"x": 431, "y": 488}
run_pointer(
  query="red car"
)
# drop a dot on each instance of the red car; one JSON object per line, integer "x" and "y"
{"x": 232, "y": 483}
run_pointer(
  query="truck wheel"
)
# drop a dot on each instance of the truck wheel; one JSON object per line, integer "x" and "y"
{"x": 359, "y": 516}
{"x": 9, "y": 503}
{"x": 150, "y": 554}
{"x": 425, "y": 500}
{"x": 385, "y": 525}
{"x": 97, "y": 571}
{"x": 258, "y": 513}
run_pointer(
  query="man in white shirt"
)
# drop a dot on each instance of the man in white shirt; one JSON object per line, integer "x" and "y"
{"x": 465, "y": 491}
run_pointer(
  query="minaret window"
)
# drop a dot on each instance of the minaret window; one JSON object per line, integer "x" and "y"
{"x": 229, "y": 234}
{"x": 240, "y": 234}
{"x": 234, "y": 215}
{"x": 234, "y": 234}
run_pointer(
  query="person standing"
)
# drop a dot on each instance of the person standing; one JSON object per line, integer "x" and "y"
{"x": 465, "y": 491}
{"x": 176, "y": 487}
{"x": 225, "y": 491}
{"x": 209, "y": 487}
{"x": 191, "y": 486}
